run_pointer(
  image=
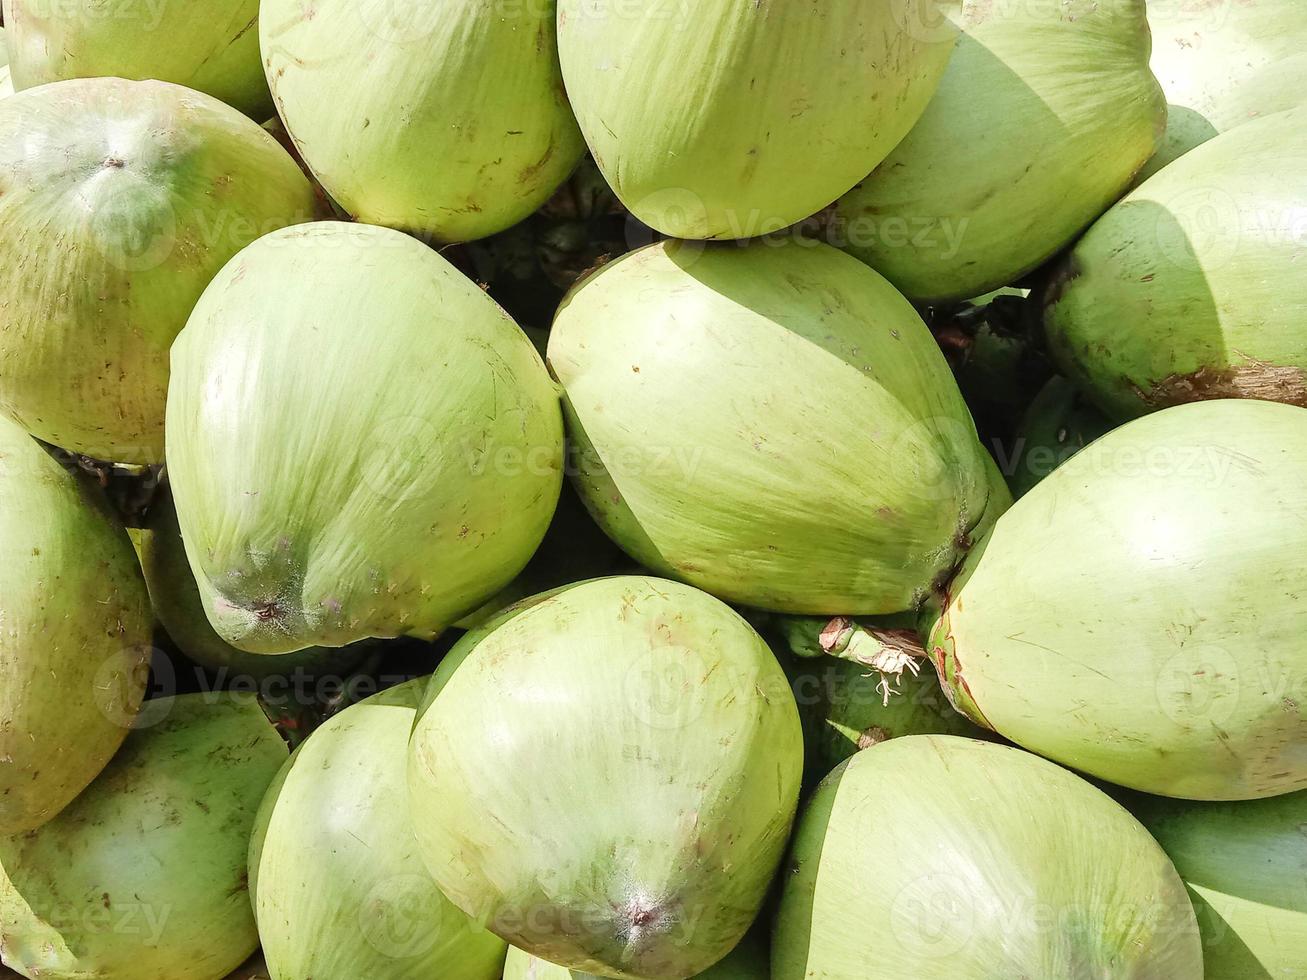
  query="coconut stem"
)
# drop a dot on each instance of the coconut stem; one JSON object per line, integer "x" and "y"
{"x": 887, "y": 652}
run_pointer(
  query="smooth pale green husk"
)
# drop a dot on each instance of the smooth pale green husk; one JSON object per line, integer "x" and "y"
{"x": 748, "y": 961}
{"x": 1192, "y": 286}
{"x": 447, "y": 120}
{"x": 1137, "y": 615}
{"x": 1246, "y": 868}
{"x": 732, "y": 120}
{"x": 943, "y": 858}
{"x": 772, "y": 423}
{"x": 1045, "y": 114}
{"x": 1225, "y": 64}
{"x": 360, "y": 442}
{"x": 680, "y": 753}
{"x": 1057, "y": 424}
{"x": 180, "y": 610}
{"x": 74, "y": 642}
{"x": 121, "y": 201}
{"x": 212, "y": 47}
{"x": 143, "y": 876}
{"x": 340, "y": 892}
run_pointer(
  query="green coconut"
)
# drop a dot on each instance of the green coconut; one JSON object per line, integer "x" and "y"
{"x": 74, "y": 647}
{"x": 605, "y": 776}
{"x": 732, "y": 120}
{"x": 748, "y": 961}
{"x": 180, "y": 610}
{"x": 1045, "y": 114}
{"x": 212, "y": 47}
{"x": 772, "y": 423}
{"x": 334, "y": 858}
{"x": 447, "y": 120}
{"x": 1059, "y": 423}
{"x": 943, "y": 858}
{"x": 130, "y": 196}
{"x": 1246, "y": 868}
{"x": 143, "y": 876}
{"x": 1137, "y": 615}
{"x": 1192, "y": 286}
{"x": 848, "y": 706}
{"x": 1225, "y": 64}
{"x": 360, "y": 442}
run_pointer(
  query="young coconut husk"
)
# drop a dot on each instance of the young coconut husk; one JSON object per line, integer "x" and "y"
{"x": 770, "y": 422}
{"x": 1191, "y": 287}
{"x": 360, "y": 443}
{"x": 728, "y": 121}
{"x": 1006, "y": 866}
{"x": 1044, "y": 116}
{"x": 447, "y": 121}
{"x": 1245, "y": 865}
{"x": 75, "y": 643}
{"x": 1224, "y": 64}
{"x": 1137, "y": 615}
{"x": 143, "y": 876}
{"x": 130, "y": 196}
{"x": 354, "y": 881}
{"x": 683, "y": 753}
{"x": 211, "y": 47}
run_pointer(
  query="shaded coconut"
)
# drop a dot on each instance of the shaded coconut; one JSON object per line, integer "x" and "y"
{"x": 748, "y": 961}
{"x": 445, "y": 120}
{"x": 1138, "y": 614}
{"x": 717, "y": 121}
{"x": 360, "y": 442}
{"x": 143, "y": 876}
{"x": 180, "y": 610}
{"x": 1224, "y": 64}
{"x": 212, "y": 47}
{"x": 1192, "y": 286}
{"x": 1058, "y": 424}
{"x": 1246, "y": 868}
{"x": 1045, "y": 114}
{"x": 681, "y": 750}
{"x": 339, "y": 889}
{"x": 772, "y": 423}
{"x": 74, "y": 647}
{"x": 1003, "y": 865}
{"x": 130, "y": 196}
{"x": 252, "y": 969}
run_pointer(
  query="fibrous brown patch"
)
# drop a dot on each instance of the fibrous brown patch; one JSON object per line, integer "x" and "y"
{"x": 872, "y": 736}
{"x": 1253, "y": 379}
